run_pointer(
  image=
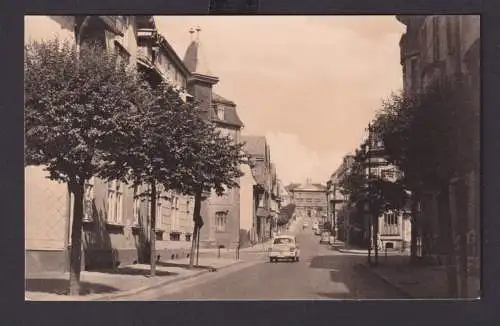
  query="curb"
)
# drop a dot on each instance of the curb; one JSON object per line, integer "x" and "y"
{"x": 387, "y": 281}
{"x": 166, "y": 282}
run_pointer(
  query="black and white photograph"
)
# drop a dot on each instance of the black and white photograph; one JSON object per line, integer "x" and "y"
{"x": 332, "y": 157}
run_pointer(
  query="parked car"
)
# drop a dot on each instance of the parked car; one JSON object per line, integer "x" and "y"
{"x": 284, "y": 247}
{"x": 325, "y": 237}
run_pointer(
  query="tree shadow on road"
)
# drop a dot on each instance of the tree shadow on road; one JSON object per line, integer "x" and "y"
{"x": 185, "y": 266}
{"x": 136, "y": 272}
{"x": 351, "y": 279}
{"x": 61, "y": 286}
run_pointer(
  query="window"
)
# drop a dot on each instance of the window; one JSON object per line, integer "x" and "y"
{"x": 284, "y": 241}
{"x": 436, "y": 39}
{"x": 88, "y": 200}
{"x": 159, "y": 216}
{"x": 450, "y": 41}
{"x": 122, "y": 52}
{"x": 137, "y": 207}
{"x": 413, "y": 72}
{"x": 220, "y": 112}
{"x": 390, "y": 226}
{"x": 221, "y": 221}
{"x": 388, "y": 175}
{"x": 115, "y": 202}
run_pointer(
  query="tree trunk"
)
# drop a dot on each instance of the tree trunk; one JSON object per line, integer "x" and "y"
{"x": 463, "y": 227}
{"x": 196, "y": 229}
{"x": 375, "y": 236}
{"x": 447, "y": 233}
{"x": 153, "y": 229}
{"x": 198, "y": 248}
{"x": 414, "y": 228}
{"x": 76, "y": 240}
{"x": 193, "y": 246}
{"x": 370, "y": 232}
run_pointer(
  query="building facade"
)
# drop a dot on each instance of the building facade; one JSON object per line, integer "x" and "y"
{"x": 337, "y": 200}
{"x": 310, "y": 200}
{"x": 116, "y": 218}
{"x": 437, "y": 46}
{"x": 221, "y": 214}
{"x": 258, "y": 150}
{"x": 247, "y": 205}
{"x": 394, "y": 226}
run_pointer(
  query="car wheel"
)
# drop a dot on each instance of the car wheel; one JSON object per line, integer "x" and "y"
{"x": 271, "y": 259}
{"x": 297, "y": 258}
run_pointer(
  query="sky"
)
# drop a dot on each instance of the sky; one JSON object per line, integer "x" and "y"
{"x": 310, "y": 84}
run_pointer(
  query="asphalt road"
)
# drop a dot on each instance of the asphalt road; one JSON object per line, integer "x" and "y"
{"x": 321, "y": 273}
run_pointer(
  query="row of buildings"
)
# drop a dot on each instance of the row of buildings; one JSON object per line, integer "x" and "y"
{"x": 433, "y": 46}
{"x": 116, "y": 219}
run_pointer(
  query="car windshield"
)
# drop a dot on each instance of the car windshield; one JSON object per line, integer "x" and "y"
{"x": 283, "y": 241}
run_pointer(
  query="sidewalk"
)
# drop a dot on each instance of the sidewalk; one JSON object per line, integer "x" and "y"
{"x": 123, "y": 282}
{"x": 418, "y": 281}
{"x": 349, "y": 249}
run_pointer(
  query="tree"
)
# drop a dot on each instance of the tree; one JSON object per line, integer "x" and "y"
{"x": 211, "y": 163}
{"x": 371, "y": 190}
{"x": 433, "y": 138}
{"x": 74, "y": 105}
{"x": 174, "y": 147}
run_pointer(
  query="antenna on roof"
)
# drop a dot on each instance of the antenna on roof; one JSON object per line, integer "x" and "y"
{"x": 198, "y": 30}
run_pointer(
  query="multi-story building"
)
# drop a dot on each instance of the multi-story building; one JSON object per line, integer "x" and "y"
{"x": 284, "y": 196}
{"x": 259, "y": 151}
{"x": 309, "y": 199}
{"x": 221, "y": 214}
{"x": 46, "y": 202}
{"x": 437, "y": 46}
{"x": 108, "y": 233}
{"x": 337, "y": 201}
{"x": 247, "y": 205}
{"x": 116, "y": 219}
{"x": 394, "y": 226}
{"x": 160, "y": 63}
{"x": 275, "y": 199}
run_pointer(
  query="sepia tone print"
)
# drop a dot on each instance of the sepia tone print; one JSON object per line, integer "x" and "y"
{"x": 252, "y": 158}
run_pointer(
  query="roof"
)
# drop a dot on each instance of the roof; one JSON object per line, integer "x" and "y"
{"x": 309, "y": 187}
{"x": 292, "y": 186}
{"x": 195, "y": 59}
{"x": 254, "y": 145}
{"x": 230, "y": 113}
{"x": 219, "y": 99}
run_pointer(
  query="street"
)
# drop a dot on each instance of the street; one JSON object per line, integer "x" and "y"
{"x": 321, "y": 273}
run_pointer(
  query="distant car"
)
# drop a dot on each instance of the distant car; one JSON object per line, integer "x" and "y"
{"x": 315, "y": 226}
{"x": 317, "y": 231}
{"x": 305, "y": 225}
{"x": 325, "y": 237}
{"x": 284, "y": 247}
